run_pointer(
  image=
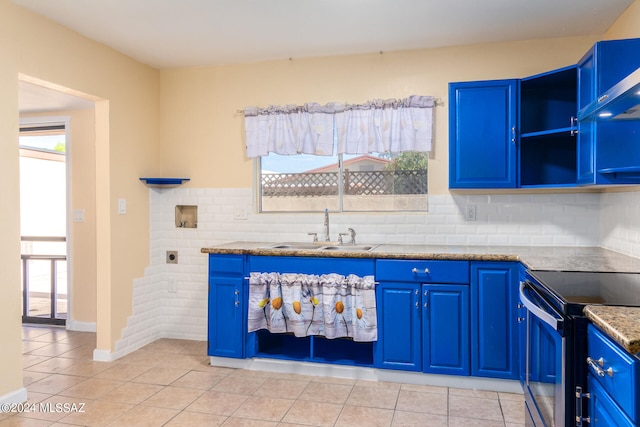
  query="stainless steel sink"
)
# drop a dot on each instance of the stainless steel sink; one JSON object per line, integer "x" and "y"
{"x": 320, "y": 246}
{"x": 348, "y": 248}
{"x": 295, "y": 245}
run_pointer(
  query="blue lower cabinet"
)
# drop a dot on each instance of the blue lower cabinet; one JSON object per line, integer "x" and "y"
{"x": 614, "y": 378}
{"x": 445, "y": 329}
{"x": 423, "y": 328}
{"x": 399, "y": 329}
{"x": 227, "y": 312}
{"x": 603, "y": 411}
{"x": 494, "y": 330}
{"x": 226, "y": 320}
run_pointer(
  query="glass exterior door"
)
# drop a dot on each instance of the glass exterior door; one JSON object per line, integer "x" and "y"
{"x": 43, "y": 222}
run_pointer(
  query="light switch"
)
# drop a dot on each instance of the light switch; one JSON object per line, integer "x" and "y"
{"x": 78, "y": 215}
{"x": 122, "y": 206}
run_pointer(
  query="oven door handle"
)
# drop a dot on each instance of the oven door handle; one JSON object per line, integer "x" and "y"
{"x": 537, "y": 311}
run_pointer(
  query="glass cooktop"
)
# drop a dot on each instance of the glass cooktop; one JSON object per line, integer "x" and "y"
{"x": 585, "y": 288}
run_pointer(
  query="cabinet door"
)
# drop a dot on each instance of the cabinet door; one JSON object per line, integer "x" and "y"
{"x": 445, "y": 329}
{"x": 608, "y": 152}
{"x": 586, "y": 163}
{"x": 494, "y": 333}
{"x": 482, "y": 134}
{"x": 603, "y": 410}
{"x": 226, "y": 320}
{"x": 586, "y": 79}
{"x": 398, "y": 345}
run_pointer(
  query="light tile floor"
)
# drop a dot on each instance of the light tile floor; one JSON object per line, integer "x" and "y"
{"x": 169, "y": 383}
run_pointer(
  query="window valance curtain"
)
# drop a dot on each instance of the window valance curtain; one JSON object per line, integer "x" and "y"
{"x": 392, "y": 125}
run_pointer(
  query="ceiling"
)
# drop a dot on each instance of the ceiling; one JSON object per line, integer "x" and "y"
{"x": 188, "y": 33}
{"x": 37, "y": 99}
{"x": 191, "y": 33}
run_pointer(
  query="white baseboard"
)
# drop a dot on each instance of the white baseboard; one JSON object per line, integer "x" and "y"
{"x": 17, "y": 396}
{"x": 76, "y": 325}
{"x": 103, "y": 355}
{"x": 371, "y": 374}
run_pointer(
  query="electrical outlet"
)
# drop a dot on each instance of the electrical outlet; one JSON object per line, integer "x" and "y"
{"x": 240, "y": 214}
{"x": 470, "y": 213}
{"x": 172, "y": 257}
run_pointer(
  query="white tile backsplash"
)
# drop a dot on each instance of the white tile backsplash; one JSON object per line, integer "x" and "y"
{"x": 620, "y": 222}
{"x": 583, "y": 219}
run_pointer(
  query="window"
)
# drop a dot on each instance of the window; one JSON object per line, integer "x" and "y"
{"x": 343, "y": 183}
{"x": 380, "y": 165}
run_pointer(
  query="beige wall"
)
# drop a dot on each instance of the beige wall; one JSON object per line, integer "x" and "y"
{"x": 126, "y": 138}
{"x": 10, "y": 334}
{"x": 628, "y": 25}
{"x": 83, "y": 235}
{"x": 202, "y": 133}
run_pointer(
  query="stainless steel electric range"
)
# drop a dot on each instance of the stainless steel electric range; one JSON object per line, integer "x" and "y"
{"x": 555, "y": 335}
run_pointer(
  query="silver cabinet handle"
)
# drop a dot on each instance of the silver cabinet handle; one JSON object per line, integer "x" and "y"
{"x": 237, "y": 301}
{"x": 603, "y": 98}
{"x": 415, "y": 270}
{"x": 597, "y": 366}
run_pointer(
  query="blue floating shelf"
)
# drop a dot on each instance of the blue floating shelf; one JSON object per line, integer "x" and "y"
{"x": 164, "y": 182}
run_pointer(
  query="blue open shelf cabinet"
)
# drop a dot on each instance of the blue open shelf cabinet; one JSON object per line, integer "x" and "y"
{"x": 164, "y": 182}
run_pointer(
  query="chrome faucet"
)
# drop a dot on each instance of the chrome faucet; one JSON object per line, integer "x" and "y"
{"x": 326, "y": 225}
{"x": 352, "y": 233}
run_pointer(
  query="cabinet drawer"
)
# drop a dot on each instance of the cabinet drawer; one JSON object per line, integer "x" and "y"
{"x": 622, "y": 381}
{"x": 311, "y": 265}
{"x": 422, "y": 271}
{"x": 226, "y": 264}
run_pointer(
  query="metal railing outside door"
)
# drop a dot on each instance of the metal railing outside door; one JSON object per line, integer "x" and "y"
{"x": 44, "y": 263}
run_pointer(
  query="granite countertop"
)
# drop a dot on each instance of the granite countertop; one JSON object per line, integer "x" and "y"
{"x": 588, "y": 259}
{"x": 622, "y": 324}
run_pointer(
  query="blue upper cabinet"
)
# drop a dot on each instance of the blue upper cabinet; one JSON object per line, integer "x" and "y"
{"x": 609, "y": 125}
{"x": 482, "y": 134}
{"x": 577, "y": 125}
{"x": 548, "y": 125}
{"x": 603, "y": 66}
{"x": 514, "y": 133}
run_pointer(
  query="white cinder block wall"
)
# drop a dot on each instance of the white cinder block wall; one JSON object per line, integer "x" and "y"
{"x": 171, "y": 300}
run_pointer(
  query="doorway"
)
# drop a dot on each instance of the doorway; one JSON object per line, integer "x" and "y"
{"x": 43, "y": 219}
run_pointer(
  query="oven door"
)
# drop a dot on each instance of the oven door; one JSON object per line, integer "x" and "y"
{"x": 544, "y": 382}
